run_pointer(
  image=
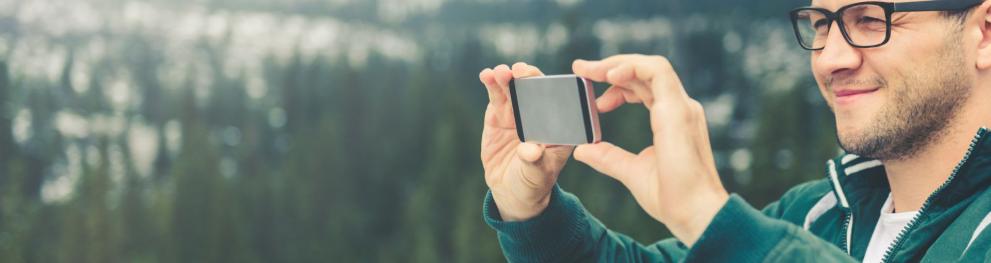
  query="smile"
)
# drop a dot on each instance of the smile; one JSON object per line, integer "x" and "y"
{"x": 845, "y": 96}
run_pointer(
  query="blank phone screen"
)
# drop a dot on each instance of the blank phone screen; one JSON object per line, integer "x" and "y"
{"x": 550, "y": 109}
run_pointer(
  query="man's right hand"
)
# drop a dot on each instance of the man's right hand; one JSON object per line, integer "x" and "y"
{"x": 520, "y": 175}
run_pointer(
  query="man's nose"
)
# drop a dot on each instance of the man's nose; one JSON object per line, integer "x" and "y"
{"x": 837, "y": 56}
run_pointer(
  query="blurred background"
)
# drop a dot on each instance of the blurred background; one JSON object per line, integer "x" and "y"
{"x": 348, "y": 130}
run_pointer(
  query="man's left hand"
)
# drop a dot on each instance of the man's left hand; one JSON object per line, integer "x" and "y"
{"x": 675, "y": 179}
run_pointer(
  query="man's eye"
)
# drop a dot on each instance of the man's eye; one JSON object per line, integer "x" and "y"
{"x": 869, "y": 20}
{"x": 821, "y": 23}
{"x": 872, "y": 24}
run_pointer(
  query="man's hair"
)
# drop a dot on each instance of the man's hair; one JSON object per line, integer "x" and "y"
{"x": 959, "y": 15}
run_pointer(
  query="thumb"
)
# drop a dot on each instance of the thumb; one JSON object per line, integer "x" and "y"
{"x": 529, "y": 152}
{"x": 606, "y": 158}
{"x": 531, "y": 170}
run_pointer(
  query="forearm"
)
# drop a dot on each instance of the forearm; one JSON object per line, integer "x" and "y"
{"x": 740, "y": 233}
{"x": 556, "y": 234}
{"x": 565, "y": 232}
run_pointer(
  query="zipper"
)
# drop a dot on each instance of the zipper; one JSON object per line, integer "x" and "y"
{"x": 890, "y": 253}
{"x": 847, "y": 212}
{"x": 846, "y": 234}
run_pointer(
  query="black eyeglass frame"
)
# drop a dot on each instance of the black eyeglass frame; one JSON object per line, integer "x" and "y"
{"x": 889, "y": 9}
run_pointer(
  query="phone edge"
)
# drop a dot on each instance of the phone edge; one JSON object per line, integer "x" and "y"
{"x": 594, "y": 112}
{"x": 516, "y": 110}
{"x": 590, "y": 115}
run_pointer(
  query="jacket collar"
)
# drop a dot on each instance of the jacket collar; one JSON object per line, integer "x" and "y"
{"x": 857, "y": 178}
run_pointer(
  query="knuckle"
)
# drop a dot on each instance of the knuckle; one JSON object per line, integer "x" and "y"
{"x": 696, "y": 106}
{"x": 699, "y": 114}
{"x": 681, "y": 113}
{"x": 662, "y": 65}
{"x": 661, "y": 61}
{"x": 687, "y": 115}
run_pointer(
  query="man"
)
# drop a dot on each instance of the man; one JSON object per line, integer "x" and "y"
{"x": 910, "y": 87}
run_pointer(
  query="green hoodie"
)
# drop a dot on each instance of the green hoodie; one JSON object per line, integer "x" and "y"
{"x": 827, "y": 220}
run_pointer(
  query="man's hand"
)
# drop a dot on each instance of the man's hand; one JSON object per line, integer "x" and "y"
{"x": 675, "y": 179}
{"x": 520, "y": 175}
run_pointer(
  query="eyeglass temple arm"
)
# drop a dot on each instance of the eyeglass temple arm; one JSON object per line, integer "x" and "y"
{"x": 944, "y": 5}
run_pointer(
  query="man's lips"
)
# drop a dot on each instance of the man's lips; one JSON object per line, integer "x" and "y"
{"x": 852, "y": 92}
{"x": 846, "y": 96}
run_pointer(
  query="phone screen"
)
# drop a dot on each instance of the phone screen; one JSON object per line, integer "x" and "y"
{"x": 552, "y": 110}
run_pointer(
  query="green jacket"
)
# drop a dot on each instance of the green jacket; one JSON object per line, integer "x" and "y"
{"x": 828, "y": 220}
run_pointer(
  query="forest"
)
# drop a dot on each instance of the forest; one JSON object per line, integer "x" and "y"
{"x": 347, "y": 130}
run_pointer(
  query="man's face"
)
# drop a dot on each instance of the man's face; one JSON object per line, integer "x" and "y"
{"x": 892, "y": 100}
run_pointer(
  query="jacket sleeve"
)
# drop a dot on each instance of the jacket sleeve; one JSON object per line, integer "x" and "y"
{"x": 566, "y": 232}
{"x": 740, "y": 233}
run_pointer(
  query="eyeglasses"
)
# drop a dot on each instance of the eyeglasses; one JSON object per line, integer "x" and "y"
{"x": 864, "y": 24}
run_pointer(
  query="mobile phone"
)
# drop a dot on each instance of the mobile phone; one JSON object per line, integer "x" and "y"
{"x": 556, "y": 110}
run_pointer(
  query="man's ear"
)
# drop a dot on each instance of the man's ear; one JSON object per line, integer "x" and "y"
{"x": 982, "y": 14}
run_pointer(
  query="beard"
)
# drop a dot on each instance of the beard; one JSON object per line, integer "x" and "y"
{"x": 918, "y": 112}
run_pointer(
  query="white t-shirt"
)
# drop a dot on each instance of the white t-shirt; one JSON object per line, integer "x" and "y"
{"x": 889, "y": 225}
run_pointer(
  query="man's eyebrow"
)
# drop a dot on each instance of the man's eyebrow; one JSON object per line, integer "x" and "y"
{"x": 818, "y": 7}
{"x": 815, "y": 4}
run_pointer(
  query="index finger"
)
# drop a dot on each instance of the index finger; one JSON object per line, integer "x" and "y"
{"x": 487, "y": 76}
{"x": 657, "y": 75}
{"x": 522, "y": 70}
{"x": 654, "y": 71}
{"x": 596, "y": 70}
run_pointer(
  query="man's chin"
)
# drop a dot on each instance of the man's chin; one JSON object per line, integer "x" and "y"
{"x": 851, "y": 139}
{"x": 846, "y": 133}
{"x": 844, "y": 142}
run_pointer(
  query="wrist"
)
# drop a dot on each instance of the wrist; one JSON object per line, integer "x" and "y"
{"x": 689, "y": 226}
{"x": 512, "y": 208}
